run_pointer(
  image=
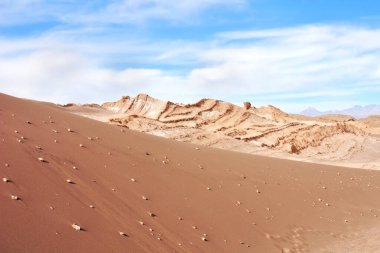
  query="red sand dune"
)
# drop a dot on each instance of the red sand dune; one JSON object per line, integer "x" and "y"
{"x": 108, "y": 179}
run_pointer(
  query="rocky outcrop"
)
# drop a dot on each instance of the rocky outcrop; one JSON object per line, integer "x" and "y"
{"x": 219, "y": 124}
{"x": 247, "y": 105}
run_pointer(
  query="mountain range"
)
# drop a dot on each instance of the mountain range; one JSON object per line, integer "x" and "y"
{"x": 356, "y": 111}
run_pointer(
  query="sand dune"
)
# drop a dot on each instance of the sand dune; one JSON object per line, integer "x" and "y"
{"x": 72, "y": 184}
{"x": 334, "y": 139}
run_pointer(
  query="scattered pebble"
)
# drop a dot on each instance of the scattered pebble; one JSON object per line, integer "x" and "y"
{"x": 122, "y": 233}
{"x": 91, "y": 206}
{"x": 133, "y": 180}
{"x": 81, "y": 145}
{"x": 41, "y": 159}
{"x": 6, "y": 180}
{"x": 14, "y": 197}
{"x": 69, "y": 130}
{"x": 6, "y": 165}
{"x": 141, "y": 223}
{"x": 151, "y": 214}
{"x": 69, "y": 181}
{"x": 76, "y": 227}
{"x": 144, "y": 197}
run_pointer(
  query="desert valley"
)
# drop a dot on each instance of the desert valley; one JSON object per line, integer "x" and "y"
{"x": 192, "y": 126}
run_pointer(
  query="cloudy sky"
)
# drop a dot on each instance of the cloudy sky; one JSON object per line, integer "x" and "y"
{"x": 292, "y": 54}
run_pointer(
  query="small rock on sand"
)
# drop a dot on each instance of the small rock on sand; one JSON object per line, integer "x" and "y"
{"x": 41, "y": 159}
{"x": 76, "y": 227}
{"x": 14, "y": 197}
{"x": 122, "y": 233}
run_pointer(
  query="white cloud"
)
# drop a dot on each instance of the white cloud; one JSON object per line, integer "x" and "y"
{"x": 284, "y": 66}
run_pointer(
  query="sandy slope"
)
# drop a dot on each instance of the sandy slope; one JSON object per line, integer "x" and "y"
{"x": 243, "y": 203}
{"x": 334, "y": 139}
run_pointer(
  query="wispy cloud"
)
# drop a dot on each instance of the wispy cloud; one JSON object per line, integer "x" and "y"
{"x": 309, "y": 62}
{"x": 98, "y": 12}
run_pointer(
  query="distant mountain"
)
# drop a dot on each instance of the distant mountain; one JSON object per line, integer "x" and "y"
{"x": 311, "y": 111}
{"x": 357, "y": 111}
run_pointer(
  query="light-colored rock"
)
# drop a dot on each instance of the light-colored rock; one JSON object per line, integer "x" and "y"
{"x": 76, "y": 227}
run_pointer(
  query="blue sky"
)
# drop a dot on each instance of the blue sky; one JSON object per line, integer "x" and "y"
{"x": 292, "y": 54}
